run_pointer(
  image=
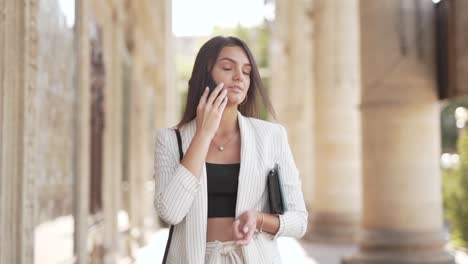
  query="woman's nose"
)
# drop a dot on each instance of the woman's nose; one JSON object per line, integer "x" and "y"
{"x": 238, "y": 75}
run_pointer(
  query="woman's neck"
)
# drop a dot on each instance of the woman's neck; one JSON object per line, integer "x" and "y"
{"x": 228, "y": 122}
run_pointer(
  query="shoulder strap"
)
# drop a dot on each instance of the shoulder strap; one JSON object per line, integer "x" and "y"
{"x": 171, "y": 230}
{"x": 179, "y": 142}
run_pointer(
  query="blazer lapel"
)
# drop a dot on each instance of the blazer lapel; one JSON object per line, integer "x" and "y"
{"x": 249, "y": 182}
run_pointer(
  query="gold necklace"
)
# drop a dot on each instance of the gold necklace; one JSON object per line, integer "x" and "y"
{"x": 221, "y": 147}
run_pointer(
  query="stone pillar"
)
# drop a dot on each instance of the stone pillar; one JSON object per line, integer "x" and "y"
{"x": 82, "y": 168}
{"x": 138, "y": 120}
{"x": 153, "y": 104}
{"x": 402, "y": 207}
{"x": 336, "y": 206}
{"x": 137, "y": 148}
{"x": 291, "y": 83}
{"x": 161, "y": 74}
{"x": 460, "y": 52}
{"x": 166, "y": 106}
{"x": 110, "y": 16}
{"x": 18, "y": 53}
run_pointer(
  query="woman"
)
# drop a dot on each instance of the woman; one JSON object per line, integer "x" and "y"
{"x": 216, "y": 196}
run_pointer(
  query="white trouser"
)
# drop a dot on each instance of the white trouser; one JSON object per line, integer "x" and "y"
{"x": 228, "y": 252}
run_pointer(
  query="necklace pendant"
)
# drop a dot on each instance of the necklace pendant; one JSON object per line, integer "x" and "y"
{"x": 221, "y": 148}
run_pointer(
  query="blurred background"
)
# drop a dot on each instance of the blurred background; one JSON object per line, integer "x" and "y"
{"x": 373, "y": 94}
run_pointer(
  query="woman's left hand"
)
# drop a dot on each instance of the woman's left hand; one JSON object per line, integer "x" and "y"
{"x": 244, "y": 227}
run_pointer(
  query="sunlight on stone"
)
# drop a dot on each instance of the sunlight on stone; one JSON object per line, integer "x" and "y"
{"x": 461, "y": 257}
{"x": 54, "y": 241}
{"x": 154, "y": 251}
{"x": 290, "y": 250}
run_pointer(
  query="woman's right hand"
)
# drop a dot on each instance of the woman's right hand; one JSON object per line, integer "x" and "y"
{"x": 210, "y": 110}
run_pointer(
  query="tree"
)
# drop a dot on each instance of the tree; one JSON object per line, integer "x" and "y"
{"x": 455, "y": 192}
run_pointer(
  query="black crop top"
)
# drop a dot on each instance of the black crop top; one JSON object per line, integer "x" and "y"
{"x": 222, "y": 181}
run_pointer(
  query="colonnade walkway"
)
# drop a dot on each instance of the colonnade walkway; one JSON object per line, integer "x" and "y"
{"x": 292, "y": 251}
{"x": 54, "y": 244}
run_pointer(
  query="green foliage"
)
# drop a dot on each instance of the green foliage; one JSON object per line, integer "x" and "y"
{"x": 448, "y": 127}
{"x": 257, "y": 38}
{"x": 455, "y": 194}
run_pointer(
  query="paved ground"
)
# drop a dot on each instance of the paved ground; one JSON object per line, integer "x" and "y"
{"x": 326, "y": 253}
{"x": 54, "y": 245}
{"x": 291, "y": 250}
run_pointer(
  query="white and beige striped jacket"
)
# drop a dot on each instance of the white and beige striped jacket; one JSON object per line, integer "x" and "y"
{"x": 181, "y": 198}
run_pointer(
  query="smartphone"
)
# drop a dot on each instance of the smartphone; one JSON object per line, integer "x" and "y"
{"x": 210, "y": 83}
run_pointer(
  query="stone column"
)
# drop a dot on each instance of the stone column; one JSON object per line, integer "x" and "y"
{"x": 137, "y": 147}
{"x": 161, "y": 74}
{"x": 402, "y": 209}
{"x": 291, "y": 83}
{"x": 336, "y": 206}
{"x": 18, "y": 53}
{"x": 82, "y": 168}
{"x": 153, "y": 104}
{"x": 163, "y": 98}
{"x": 110, "y": 16}
{"x": 140, "y": 53}
{"x": 460, "y": 52}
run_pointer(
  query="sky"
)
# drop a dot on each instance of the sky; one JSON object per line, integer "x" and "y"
{"x": 68, "y": 8}
{"x": 199, "y": 17}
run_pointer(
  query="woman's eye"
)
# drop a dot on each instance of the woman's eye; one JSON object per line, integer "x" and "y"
{"x": 226, "y": 69}
{"x": 247, "y": 73}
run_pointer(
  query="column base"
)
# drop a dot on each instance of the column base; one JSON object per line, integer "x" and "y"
{"x": 396, "y": 247}
{"x": 333, "y": 228}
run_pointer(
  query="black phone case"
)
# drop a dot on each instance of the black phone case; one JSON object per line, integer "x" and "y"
{"x": 210, "y": 82}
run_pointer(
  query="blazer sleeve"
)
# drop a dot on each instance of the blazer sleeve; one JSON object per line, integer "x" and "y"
{"x": 293, "y": 223}
{"x": 175, "y": 186}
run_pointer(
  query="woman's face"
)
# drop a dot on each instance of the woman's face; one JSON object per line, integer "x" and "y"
{"x": 233, "y": 69}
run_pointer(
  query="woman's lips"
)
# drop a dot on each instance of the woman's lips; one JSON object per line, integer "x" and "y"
{"x": 235, "y": 88}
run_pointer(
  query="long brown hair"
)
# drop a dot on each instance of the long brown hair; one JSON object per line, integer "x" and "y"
{"x": 204, "y": 63}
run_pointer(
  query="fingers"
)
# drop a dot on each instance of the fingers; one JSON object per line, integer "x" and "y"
{"x": 244, "y": 228}
{"x": 223, "y": 105}
{"x": 203, "y": 98}
{"x": 214, "y": 94}
{"x": 236, "y": 231}
{"x": 220, "y": 99}
{"x": 248, "y": 233}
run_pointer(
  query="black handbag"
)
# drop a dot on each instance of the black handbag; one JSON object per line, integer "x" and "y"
{"x": 275, "y": 196}
{"x": 171, "y": 230}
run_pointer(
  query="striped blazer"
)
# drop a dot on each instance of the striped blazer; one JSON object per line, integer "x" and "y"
{"x": 181, "y": 198}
